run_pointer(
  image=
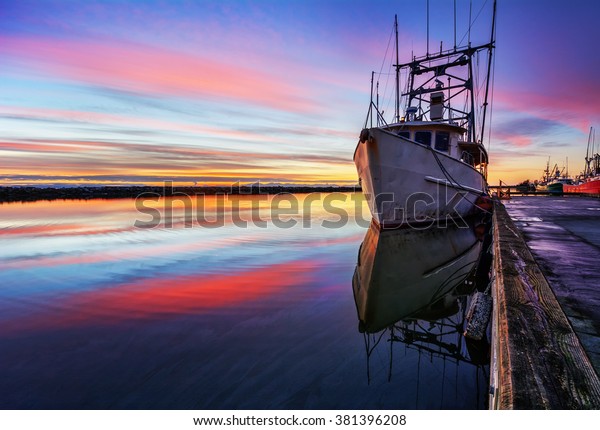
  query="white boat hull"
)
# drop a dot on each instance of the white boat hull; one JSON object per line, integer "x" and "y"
{"x": 407, "y": 183}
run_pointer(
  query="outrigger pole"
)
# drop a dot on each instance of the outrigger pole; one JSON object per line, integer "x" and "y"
{"x": 487, "y": 83}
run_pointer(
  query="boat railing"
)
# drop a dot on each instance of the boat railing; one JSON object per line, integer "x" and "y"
{"x": 379, "y": 117}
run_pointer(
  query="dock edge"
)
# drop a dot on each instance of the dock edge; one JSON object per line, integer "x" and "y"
{"x": 537, "y": 361}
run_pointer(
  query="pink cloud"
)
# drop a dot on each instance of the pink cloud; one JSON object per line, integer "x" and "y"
{"x": 125, "y": 120}
{"x": 514, "y": 139}
{"x": 578, "y": 109}
{"x": 155, "y": 70}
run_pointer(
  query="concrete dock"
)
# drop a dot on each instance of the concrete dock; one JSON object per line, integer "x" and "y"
{"x": 545, "y": 323}
{"x": 563, "y": 234}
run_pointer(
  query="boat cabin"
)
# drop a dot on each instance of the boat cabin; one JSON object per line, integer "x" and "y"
{"x": 445, "y": 138}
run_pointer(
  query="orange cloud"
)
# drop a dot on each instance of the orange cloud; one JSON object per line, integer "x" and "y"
{"x": 26, "y": 161}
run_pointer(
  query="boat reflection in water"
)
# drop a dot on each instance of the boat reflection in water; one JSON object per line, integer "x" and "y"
{"x": 412, "y": 289}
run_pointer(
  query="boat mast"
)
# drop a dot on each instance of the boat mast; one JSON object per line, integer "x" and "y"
{"x": 371, "y": 105}
{"x": 471, "y": 94}
{"x": 397, "y": 113}
{"x": 489, "y": 68}
{"x": 587, "y": 155}
{"x": 423, "y": 71}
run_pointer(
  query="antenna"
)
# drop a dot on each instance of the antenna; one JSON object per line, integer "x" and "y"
{"x": 470, "y": 9}
{"x": 428, "y": 28}
{"x": 455, "y": 25}
{"x": 397, "y": 72}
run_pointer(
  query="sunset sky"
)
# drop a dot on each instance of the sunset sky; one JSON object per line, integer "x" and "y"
{"x": 116, "y": 92}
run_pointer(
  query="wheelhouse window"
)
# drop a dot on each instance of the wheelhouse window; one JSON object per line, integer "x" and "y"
{"x": 442, "y": 141}
{"x": 405, "y": 134}
{"x": 423, "y": 137}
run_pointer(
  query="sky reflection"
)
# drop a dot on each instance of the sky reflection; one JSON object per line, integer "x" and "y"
{"x": 109, "y": 270}
{"x": 95, "y": 313}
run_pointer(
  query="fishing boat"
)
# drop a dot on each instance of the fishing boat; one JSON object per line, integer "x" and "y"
{"x": 559, "y": 180}
{"x": 589, "y": 180}
{"x": 429, "y": 163}
{"x": 590, "y": 186}
{"x": 542, "y": 185}
{"x": 556, "y": 187}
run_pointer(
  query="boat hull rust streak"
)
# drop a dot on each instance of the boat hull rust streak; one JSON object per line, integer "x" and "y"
{"x": 404, "y": 182}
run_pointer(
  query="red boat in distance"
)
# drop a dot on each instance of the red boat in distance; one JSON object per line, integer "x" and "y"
{"x": 589, "y": 181}
{"x": 588, "y": 187}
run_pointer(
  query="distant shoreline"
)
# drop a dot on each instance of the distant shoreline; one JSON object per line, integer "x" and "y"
{"x": 31, "y": 194}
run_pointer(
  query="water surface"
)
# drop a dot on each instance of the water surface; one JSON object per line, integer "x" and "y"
{"x": 97, "y": 313}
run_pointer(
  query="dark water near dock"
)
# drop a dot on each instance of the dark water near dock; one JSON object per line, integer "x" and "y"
{"x": 95, "y": 313}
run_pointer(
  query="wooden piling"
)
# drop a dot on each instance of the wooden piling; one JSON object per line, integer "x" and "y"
{"x": 537, "y": 359}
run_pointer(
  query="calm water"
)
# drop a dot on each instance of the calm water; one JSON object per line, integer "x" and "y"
{"x": 96, "y": 313}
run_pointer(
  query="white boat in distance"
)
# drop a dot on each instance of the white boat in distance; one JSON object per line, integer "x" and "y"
{"x": 429, "y": 164}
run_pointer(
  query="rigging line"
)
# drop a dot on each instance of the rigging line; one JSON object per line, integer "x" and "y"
{"x": 418, "y": 380}
{"x": 476, "y": 89}
{"x": 387, "y": 80}
{"x": 366, "y": 339}
{"x": 456, "y": 183}
{"x": 391, "y": 353}
{"x": 406, "y": 87}
{"x": 471, "y": 24}
{"x": 481, "y": 83}
{"x": 490, "y": 58}
{"x": 377, "y": 342}
{"x": 491, "y": 104}
{"x": 389, "y": 100}
{"x": 454, "y": 277}
{"x": 447, "y": 174}
{"x": 386, "y": 51}
{"x": 383, "y": 65}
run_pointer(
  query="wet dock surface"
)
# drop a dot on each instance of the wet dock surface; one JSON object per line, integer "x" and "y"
{"x": 563, "y": 234}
